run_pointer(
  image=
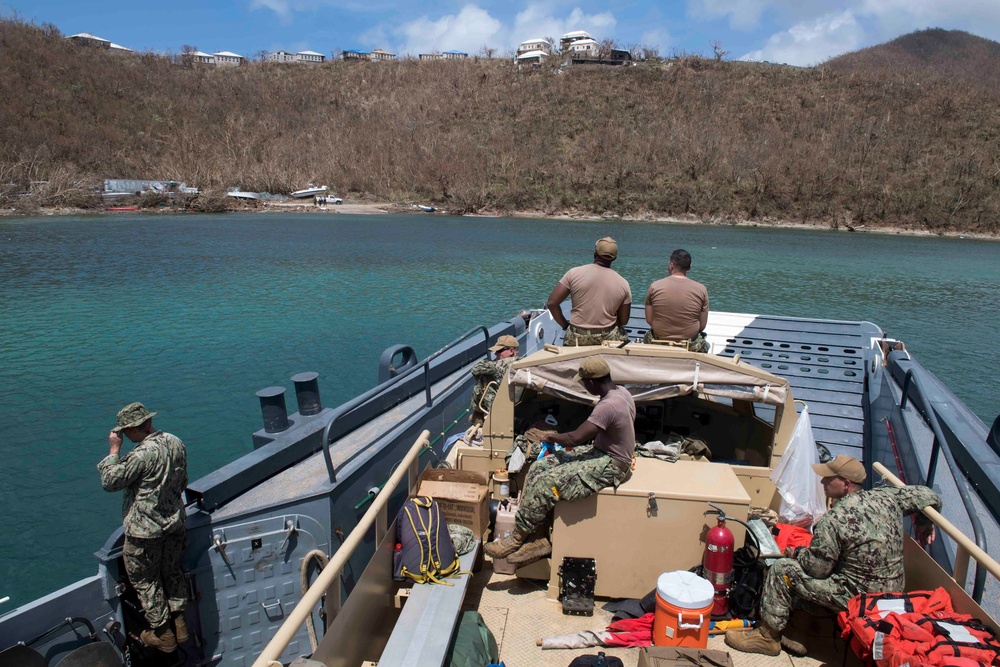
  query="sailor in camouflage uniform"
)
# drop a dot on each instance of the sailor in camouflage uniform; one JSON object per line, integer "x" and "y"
{"x": 580, "y": 470}
{"x": 857, "y": 547}
{"x": 489, "y": 374}
{"x": 152, "y": 475}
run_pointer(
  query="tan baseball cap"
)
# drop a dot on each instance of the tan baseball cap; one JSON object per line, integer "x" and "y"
{"x": 593, "y": 367}
{"x": 133, "y": 414}
{"x": 503, "y": 342}
{"x": 607, "y": 247}
{"x": 844, "y": 466}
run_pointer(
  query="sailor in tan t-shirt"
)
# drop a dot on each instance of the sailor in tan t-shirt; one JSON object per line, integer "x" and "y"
{"x": 677, "y": 307}
{"x": 601, "y": 298}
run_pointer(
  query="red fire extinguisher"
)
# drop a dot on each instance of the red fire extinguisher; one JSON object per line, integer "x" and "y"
{"x": 718, "y": 561}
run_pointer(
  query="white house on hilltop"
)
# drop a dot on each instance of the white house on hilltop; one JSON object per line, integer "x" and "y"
{"x": 566, "y": 40}
{"x": 300, "y": 57}
{"x": 583, "y": 48}
{"x": 228, "y": 59}
{"x": 530, "y": 45}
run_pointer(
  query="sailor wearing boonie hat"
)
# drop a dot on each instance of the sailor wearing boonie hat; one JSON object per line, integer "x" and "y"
{"x": 153, "y": 476}
{"x": 601, "y": 299}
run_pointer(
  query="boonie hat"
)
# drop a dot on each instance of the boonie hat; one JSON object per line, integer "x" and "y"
{"x": 593, "y": 367}
{"x": 844, "y": 466}
{"x": 607, "y": 247}
{"x": 503, "y": 342}
{"x": 131, "y": 415}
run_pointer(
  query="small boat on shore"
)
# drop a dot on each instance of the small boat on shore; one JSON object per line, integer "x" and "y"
{"x": 242, "y": 194}
{"x": 310, "y": 191}
{"x": 425, "y": 209}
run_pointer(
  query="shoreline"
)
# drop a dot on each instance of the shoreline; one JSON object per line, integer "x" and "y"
{"x": 390, "y": 208}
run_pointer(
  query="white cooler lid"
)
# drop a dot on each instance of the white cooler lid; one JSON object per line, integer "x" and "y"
{"x": 685, "y": 590}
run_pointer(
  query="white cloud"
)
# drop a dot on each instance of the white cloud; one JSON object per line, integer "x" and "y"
{"x": 469, "y": 30}
{"x": 536, "y": 20}
{"x": 283, "y": 8}
{"x": 742, "y": 14}
{"x": 812, "y": 42}
{"x": 655, "y": 39}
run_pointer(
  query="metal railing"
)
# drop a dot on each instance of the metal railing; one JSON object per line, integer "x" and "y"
{"x": 349, "y": 407}
{"x": 966, "y": 548}
{"x": 328, "y": 581}
{"x": 961, "y": 482}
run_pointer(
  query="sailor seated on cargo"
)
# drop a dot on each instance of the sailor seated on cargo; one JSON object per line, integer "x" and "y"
{"x": 578, "y": 471}
{"x": 489, "y": 373}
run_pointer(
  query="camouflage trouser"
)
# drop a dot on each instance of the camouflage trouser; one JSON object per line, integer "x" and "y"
{"x": 153, "y": 567}
{"x": 786, "y": 579}
{"x": 567, "y": 475}
{"x": 697, "y": 344}
{"x": 575, "y": 337}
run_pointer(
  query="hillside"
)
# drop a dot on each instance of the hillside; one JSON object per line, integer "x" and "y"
{"x": 721, "y": 140}
{"x": 951, "y": 54}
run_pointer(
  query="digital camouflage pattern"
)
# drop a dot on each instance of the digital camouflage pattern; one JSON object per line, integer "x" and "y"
{"x": 573, "y": 474}
{"x": 153, "y": 567}
{"x": 574, "y": 337}
{"x": 153, "y": 475}
{"x": 133, "y": 414}
{"x": 857, "y": 547}
{"x": 489, "y": 374}
{"x": 697, "y": 344}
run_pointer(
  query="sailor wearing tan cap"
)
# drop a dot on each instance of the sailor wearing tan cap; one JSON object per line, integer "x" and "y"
{"x": 601, "y": 299}
{"x": 577, "y": 472}
{"x": 857, "y": 547}
{"x": 489, "y": 373}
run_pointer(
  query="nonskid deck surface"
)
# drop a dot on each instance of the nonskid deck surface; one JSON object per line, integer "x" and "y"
{"x": 518, "y": 613}
{"x": 309, "y": 477}
{"x": 822, "y": 360}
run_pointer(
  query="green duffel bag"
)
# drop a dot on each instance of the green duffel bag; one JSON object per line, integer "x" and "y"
{"x": 473, "y": 645}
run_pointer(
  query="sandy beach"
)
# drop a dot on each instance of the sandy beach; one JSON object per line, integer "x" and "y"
{"x": 383, "y": 208}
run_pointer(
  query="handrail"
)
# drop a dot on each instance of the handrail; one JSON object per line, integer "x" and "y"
{"x": 961, "y": 483}
{"x": 353, "y": 405}
{"x": 963, "y": 541}
{"x": 278, "y": 644}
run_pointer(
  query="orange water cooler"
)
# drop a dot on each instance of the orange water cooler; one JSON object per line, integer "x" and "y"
{"x": 683, "y": 610}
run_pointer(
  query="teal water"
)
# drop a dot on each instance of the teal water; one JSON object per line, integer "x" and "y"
{"x": 193, "y": 314}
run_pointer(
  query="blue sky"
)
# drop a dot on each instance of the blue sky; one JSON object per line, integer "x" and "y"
{"x": 798, "y": 32}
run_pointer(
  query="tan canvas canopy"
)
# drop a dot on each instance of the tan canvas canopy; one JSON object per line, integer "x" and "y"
{"x": 650, "y": 376}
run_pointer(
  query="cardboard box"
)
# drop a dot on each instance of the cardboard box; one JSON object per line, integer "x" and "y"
{"x": 462, "y": 495}
{"x": 668, "y": 656}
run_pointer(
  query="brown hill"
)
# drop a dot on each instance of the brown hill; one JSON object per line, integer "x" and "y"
{"x": 933, "y": 52}
{"x": 721, "y": 140}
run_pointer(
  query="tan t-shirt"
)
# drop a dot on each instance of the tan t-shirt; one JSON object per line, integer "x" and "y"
{"x": 678, "y": 303}
{"x": 614, "y": 415}
{"x": 597, "y": 292}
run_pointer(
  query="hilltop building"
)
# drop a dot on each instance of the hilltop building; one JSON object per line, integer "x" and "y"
{"x": 228, "y": 59}
{"x": 201, "y": 58}
{"x": 353, "y": 54}
{"x": 567, "y": 40}
{"x": 444, "y": 55}
{"x": 532, "y": 51}
{"x": 380, "y": 54}
{"x": 300, "y": 57}
{"x": 86, "y": 39}
{"x": 376, "y": 55}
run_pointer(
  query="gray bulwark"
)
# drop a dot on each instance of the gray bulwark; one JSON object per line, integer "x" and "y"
{"x": 823, "y": 361}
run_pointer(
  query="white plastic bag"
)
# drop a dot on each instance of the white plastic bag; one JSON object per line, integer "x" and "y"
{"x": 517, "y": 460}
{"x": 802, "y": 497}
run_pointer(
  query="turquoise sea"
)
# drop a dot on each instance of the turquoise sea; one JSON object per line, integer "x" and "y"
{"x": 193, "y": 314}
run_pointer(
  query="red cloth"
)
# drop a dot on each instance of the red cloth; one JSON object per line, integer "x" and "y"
{"x": 631, "y": 631}
{"x": 792, "y": 536}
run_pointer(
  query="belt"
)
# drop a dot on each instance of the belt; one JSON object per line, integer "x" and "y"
{"x": 592, "y": 331}
{"x": 624, "y": 466}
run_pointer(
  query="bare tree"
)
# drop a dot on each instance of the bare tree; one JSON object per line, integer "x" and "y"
{"x": 719, "y": 52}
{"x": 553, "y": 45}
{"x": 487, "y": 51}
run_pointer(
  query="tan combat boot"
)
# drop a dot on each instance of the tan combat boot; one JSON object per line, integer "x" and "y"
{"x": 161, "y": 638}
{"x": 531, "y": 551}
{"x": 180, "y": 627}
{"x": 792, "y": 647}
{"x": 505, "y": 546}
{"x": 761, "y": 639}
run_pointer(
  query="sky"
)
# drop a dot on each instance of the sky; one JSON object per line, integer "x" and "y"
{"x": 796, "y": 32}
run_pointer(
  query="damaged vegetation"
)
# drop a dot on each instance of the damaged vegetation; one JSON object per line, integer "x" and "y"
{"x": 846, "y": 144}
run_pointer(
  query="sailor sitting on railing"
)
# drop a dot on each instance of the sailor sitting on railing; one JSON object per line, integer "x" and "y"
{"x": 857, "y": 547}
{"x": 677, "y": 307}
{"x": 579, "y": 471}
